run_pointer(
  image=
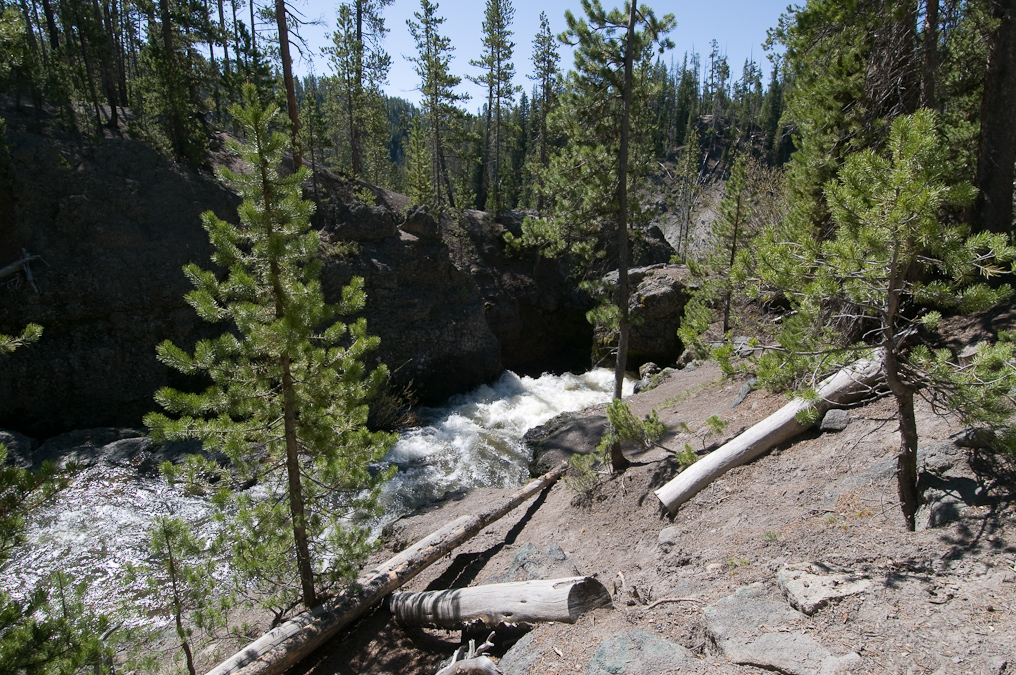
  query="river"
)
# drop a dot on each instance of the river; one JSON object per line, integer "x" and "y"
{"x": 96, "y": 527}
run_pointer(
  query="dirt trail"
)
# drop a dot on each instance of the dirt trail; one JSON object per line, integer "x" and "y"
{"x": 941, "y": 600}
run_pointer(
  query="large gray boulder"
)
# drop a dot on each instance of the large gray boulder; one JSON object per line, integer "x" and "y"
{"x": 656, "y": 306}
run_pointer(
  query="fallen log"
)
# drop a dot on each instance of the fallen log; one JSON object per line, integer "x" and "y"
{"x": 846, "y": 386}
{"x": 286, "y": 645}
{"x": 540, "y": 601}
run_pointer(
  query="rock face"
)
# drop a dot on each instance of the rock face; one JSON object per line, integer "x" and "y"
{"x": 427, "y": 312}
{"x": 536, "y": 312}
{"x": 116, "y": 222}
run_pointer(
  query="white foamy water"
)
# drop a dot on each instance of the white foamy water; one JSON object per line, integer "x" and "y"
{"x": 99, "y": 524}
{"x": 476, "y": 439}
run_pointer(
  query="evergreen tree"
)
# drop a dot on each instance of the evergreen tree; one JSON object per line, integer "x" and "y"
{"x": 870, "y": 76}
{"x": 593, "y": 180}
{"x": 418, "y": 165}
{"x": 437, "y": 85}
{"x": 893, "y": 256}
{"x": 287, "y": 399}
{"x": 361, "y": 67}
{"x": 180, "y": 575}
{"x": 687, "y": 188}
{"x": 545, "y": 73}
{"x": 496, "y": 62}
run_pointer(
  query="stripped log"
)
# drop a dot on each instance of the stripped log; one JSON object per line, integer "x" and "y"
{"x": 286, "y": 645}
{"x": 540, "y": 601}
{"x": 847, "y": 386}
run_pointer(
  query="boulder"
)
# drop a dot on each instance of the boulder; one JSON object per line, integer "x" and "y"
{"x": 420, "y": 223}
{"x": 836, "y": 419}
{"x": 810, "y": 586}
{"x": 656, "y": 306}
{"x": 636, "y": 652}
{"x": 752, "y": 629}
{"x": 565, "y": 435}
{"x": 358, "y": 222}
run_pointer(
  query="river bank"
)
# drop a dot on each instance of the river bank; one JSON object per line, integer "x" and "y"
{"x": 938, "y": 600}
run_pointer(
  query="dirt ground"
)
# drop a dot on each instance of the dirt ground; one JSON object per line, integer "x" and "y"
{"x": 942, "y": 600}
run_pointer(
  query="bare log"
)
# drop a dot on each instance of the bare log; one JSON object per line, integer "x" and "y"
{"x": 286, "y": 645}
{"x": 563, "y": 600}
{"x": 846, "y": 386}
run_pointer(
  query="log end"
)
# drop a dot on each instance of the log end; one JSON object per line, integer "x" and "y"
{"x": 587, "y": 595}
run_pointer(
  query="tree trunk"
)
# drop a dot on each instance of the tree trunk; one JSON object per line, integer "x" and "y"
{"x": 929, "y": 54}
{"x": 618, "y": 462}
{"x": 906, "y": 460}
{"x": 996, "y": 153}
{"x": 288, "y": 644}
{"x": 481, "y": 199}
{"x": 287, "y": 77}
{"x": 850, "y": 384}
{"x": 296, "y": 507}
{"x": 563, "y": 600}
{"x": 356, "y": 92}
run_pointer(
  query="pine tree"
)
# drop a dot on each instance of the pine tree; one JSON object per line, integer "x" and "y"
{"x": 437, "y": 85}
{"x": 893, "y": 259}
{"x": 594, "y": 179}
{"x": 418, "y": 165}
{"x": 545, "y": 73}
{"x": 361, "y": 67}
{"x": 496, "y": 62}
{"x": 180, "y": 575}
{"x": 687, "y": 188}
{"x": 287, "y": 399}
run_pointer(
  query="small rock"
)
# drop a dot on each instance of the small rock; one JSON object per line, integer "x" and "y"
{"x": 636, "y": 652}
{"x": 939, "y": 509}
{"x": 746, "y": 389}
{"x": 648, "y": 369}
{"x": 835, "y": 420}
{"x": 669, "y": 538}
{"x": 742, "y": 347}
{"x": 810, "y": 586}
{"x": 967, "y": 354}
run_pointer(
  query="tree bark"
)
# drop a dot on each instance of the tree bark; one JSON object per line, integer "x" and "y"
{"x": 563, "y": 600}
{"x": 996, "y": 155}
{"x": 287, "y": 78}
{"x": 929, "y": 54}
{"x": 850, "y": 384}
{"x": 288, "y": 644}
{"x": 906, "y": 460}
{"x": 618, "y": 462}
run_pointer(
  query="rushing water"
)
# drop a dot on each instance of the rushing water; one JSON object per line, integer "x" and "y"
{"x": 98, "y": 525}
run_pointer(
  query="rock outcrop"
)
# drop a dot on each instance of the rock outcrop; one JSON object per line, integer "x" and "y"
{"x": 656, "y": 306}
{"x": 115, "y": 222}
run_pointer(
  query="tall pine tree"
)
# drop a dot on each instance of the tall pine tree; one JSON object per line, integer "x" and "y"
{"x": 287, "y": 403}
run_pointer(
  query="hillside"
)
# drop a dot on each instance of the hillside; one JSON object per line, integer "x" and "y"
{"x": 938, "y": 600}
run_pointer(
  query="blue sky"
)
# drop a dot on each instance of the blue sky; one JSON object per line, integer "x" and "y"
{"x": 739, "y": 26}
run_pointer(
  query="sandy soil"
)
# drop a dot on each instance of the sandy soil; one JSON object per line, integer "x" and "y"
{"x": 943, "y": 600}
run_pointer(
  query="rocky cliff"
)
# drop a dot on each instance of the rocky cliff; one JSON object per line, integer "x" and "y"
{"x": 114, "y": 223}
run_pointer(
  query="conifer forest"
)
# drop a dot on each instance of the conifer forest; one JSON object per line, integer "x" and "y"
{"x": 854, "y": 180}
